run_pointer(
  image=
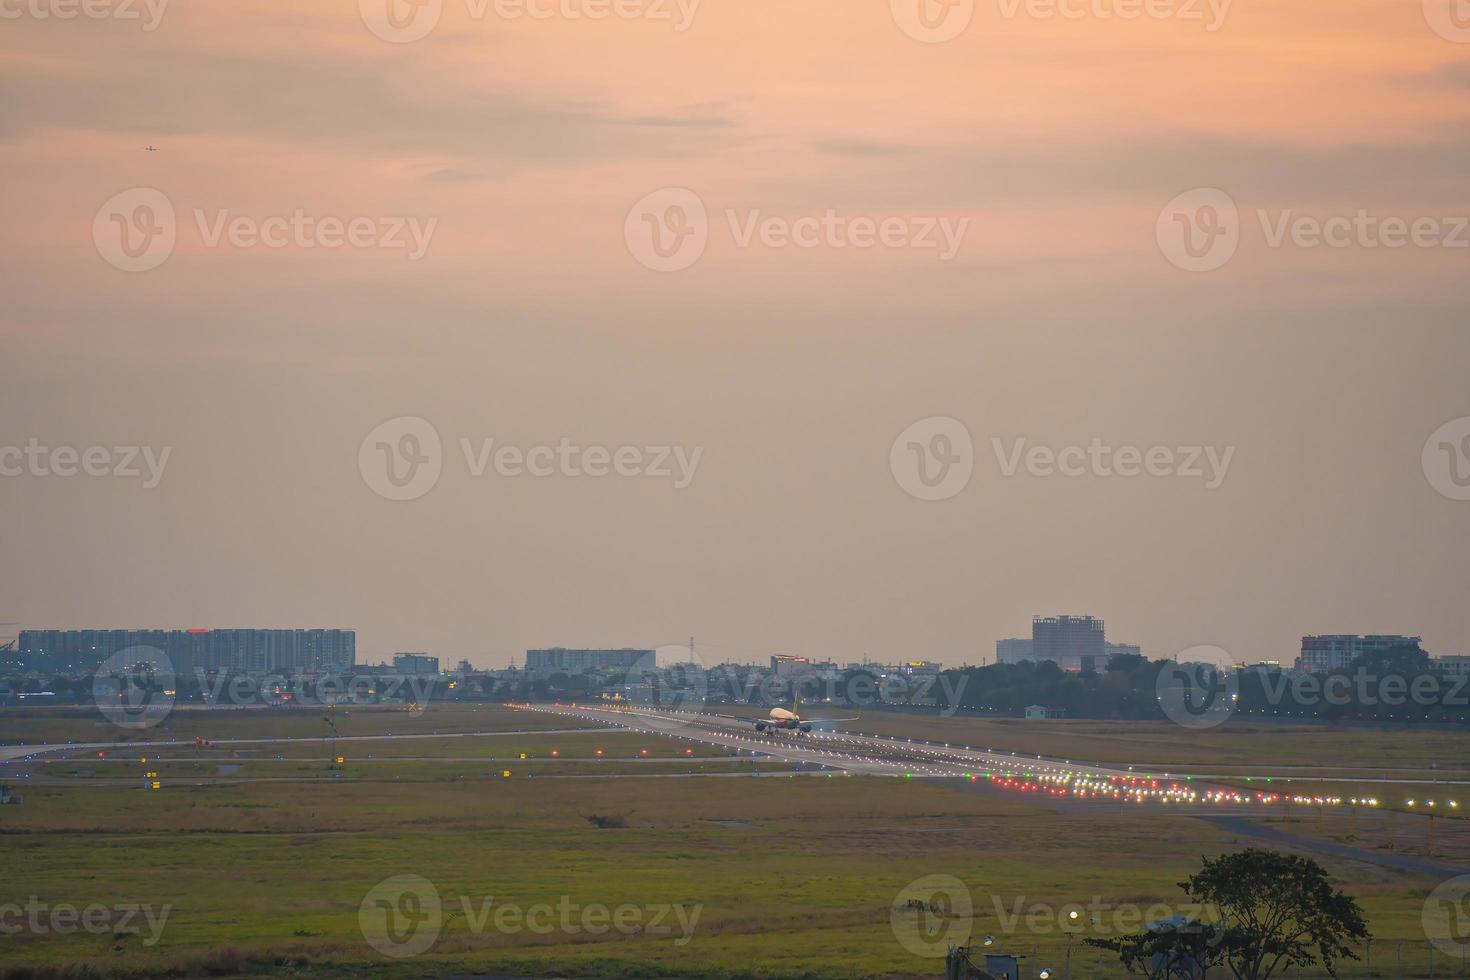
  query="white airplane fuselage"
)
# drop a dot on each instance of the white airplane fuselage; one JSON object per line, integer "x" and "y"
{"x": 781, "y": 718}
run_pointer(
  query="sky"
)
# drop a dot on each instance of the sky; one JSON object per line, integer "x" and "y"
{"x": 846, "y": 328}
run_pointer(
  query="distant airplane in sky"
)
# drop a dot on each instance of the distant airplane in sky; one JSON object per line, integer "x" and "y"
{"x": 151, "y": 149}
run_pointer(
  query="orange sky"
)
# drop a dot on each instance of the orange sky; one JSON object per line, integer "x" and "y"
{"x": 1055, "y": 140}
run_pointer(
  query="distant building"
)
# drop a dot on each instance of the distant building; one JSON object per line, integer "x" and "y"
{"x": 1036, "y": 712}
{"x": 576, "y": 661}
{"x": 244, "y": 650}
{"x": 783, "y": 664}
{"x": 415, "y": 663}
{"x": 1335, "y": 651}
{"x": 1454, "y": 665}
{"x": 1013, "y": 651}
{"x": 1073, "y": 643}
{"x": 1263, "y": 667}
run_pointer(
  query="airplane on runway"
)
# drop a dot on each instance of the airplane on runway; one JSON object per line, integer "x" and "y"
{"x": 782, "y": 719}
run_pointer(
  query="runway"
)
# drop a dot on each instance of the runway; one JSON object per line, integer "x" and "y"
{"x": 869, "y": 755}
{"x": 826, "y": 752}
{"x": 987, "y": 769}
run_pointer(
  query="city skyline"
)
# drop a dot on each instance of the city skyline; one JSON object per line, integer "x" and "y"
{"x": 674, "y": 653}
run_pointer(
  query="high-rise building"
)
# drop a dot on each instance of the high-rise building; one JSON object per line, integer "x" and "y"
{"x": 1071, "y": 642}
{"x": 254, "y": 650}
{"x": 576, "y": 661}
{"x": 1335, "y": 651}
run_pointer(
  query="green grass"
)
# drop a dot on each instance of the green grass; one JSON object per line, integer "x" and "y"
{"x": 34, "y": 726}
{"x": 793, "y": 877}
{"x": 532, "y": 753}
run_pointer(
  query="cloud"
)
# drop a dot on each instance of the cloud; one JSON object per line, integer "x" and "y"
{"x": 683, "y": 122}
{"x": 1453, "y": 74}
{"x": 861, "y": 148}
{"x": 1130, "y": 167}
{"x": 377, "y": 106}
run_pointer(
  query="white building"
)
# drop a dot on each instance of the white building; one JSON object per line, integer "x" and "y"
{"x": 1456, "y": 665}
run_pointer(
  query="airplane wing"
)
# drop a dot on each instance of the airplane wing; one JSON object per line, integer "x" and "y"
{"x": 827, "y": 723}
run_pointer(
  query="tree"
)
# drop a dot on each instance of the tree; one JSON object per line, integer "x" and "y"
{"x": 1406, "y": 660}
{"x": 1266, "y": 910}
{"x": 1277, "y": 909}
{"x": 1165, "y": 950}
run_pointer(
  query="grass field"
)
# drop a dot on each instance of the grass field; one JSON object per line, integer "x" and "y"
{"x": 527, "y": 753}
{"x": 37, "y": 726}
{"x": 790, "y": 877}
